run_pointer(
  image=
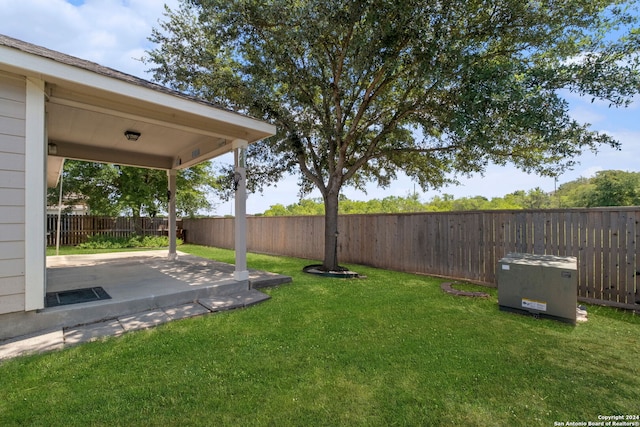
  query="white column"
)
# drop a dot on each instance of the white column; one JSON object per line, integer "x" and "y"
{"x": 35, "y": 196}
{"x": 239, "y": 151}
{"x": 171, "y": 195}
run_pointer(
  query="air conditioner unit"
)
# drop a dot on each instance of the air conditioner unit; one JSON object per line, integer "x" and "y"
{"x": 543, "y": 285}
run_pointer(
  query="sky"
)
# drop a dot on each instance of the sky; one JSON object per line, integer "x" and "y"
{"x": 114, "y": 33}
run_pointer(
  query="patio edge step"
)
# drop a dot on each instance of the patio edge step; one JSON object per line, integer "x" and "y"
{"x": 229, "y": 302}
{"x": 63, "y": 337}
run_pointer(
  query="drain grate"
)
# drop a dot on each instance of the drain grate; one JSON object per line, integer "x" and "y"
{"x": 76, "y": 296}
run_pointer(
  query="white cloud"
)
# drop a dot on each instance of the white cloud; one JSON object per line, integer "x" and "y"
{"x": 586, "y": 115}
{"x": 110, "y": 32}
{"x": 626, "y": 158}
{"x": 591, "y": 172}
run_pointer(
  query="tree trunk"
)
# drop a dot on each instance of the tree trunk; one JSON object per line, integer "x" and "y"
{"x": 330, "y": 262}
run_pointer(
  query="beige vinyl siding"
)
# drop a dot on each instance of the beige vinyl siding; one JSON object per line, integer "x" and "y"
{"x": 11, "y": 143}
{"x": 12, "y": 193}
{"x": 15, "y": 194}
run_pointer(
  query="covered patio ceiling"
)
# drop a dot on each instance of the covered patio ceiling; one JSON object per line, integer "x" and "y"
{"x": 90, "y": 107}
{"x": 90, "y": 124}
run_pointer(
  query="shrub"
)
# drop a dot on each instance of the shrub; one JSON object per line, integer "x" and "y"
{"x": 99, "y": 241}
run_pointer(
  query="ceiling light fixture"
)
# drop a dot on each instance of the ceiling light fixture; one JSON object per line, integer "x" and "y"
{"x": 132, "y": 135}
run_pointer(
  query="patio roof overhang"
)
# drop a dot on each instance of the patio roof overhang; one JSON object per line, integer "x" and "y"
{"x": 89, "y": 107}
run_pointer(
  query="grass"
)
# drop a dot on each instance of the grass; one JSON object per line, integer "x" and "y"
{"x": 391, "y": 349}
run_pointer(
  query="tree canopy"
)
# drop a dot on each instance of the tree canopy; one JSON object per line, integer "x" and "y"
{"x": 614, "y": 188}
{"x": 362, "y": 89}
{"x": 114, "y": 190}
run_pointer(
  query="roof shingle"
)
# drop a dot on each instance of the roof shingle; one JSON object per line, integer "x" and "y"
{"x": 95, "y": 68}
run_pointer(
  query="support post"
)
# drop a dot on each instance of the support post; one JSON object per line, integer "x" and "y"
{"x": 35, "y": 196}
{"x": 239, "y": 151}
{"x": 171, "y": 196}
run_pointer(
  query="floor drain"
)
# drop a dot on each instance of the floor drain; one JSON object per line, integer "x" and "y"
{"x": 76, "y": 296}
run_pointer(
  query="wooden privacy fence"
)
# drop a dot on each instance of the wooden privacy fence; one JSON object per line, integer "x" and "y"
{"x": 75, "y": 229}
{"x": 461, "y": 245}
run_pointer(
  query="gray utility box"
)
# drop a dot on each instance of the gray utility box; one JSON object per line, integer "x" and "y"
{"x": 544, "y": 285}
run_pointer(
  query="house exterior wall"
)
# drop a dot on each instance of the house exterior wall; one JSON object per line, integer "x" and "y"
{"x": 12, "y": 192}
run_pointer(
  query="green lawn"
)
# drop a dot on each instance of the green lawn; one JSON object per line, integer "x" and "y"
{"x": 391, "y": 349}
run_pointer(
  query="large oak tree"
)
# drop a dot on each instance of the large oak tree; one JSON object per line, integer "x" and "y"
{"x": 360, "y": 90}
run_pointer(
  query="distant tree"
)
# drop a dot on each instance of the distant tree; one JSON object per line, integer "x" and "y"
{"x": 533, "y": 199}
{"x": 394, "y": 204}
{"x": 442, "y": 203}
{"x": 115, "y": 190}
{"x": 538, "y": 199}
{"x": 470, "y": 203}
{"x": 389, "y": 204}
{"x": 574, "y": 194}
{"x": 92, "y": 184}
{"x": 507, "y": 202}
{"x": 360, "y": 207}
{"x": 276, "y": 210}
{"x": 607, "y": 188}
{"x": 303, "y": 207}
{"x": 360, "y": 90}
{"x": 194, "y": 189}
{"x": 615, "y": 188}
{"x": 140, "y": 192}
{"x": 308, "y": 207}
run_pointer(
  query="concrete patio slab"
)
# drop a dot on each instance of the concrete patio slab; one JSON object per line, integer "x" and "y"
{"x": 186, "y": 310}
{"x": 47, "y": 341}
{"x": 221, "y": 303}
{"x": 92, "y": 332}
{"x": 144, "y": 320}
{"x": 231, "y": 302}
{"x": 253, "y": 297}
